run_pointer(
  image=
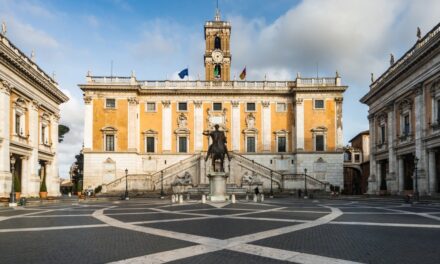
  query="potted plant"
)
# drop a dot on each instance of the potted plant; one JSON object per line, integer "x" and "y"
{"x": 17, "y": 187}
{"x": 79, "y": 188}
{"x": 43, "y": 188}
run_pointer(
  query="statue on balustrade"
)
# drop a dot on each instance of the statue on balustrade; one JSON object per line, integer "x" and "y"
{"x": 218, "y": 149}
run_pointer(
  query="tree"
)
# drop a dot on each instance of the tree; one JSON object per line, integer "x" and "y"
{"x": 62, "y": 130}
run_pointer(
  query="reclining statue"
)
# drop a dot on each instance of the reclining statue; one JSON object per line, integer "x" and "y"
{"x": 185, "y": 179}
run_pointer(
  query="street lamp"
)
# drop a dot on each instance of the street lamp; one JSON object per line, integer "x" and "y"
{"x": 12, "y": 201}
{"x": 126, "y": 184}
{"x": 161, "y": 184}
{"x": 416, "y": 192}
{"x": 305, "y": 182}
{"x": 271, "y": 190}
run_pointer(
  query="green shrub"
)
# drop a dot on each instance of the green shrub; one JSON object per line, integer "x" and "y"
{"x": 98, "y": 189}
{"x": 17, "y": 184}
{"x": 43, "y": 187}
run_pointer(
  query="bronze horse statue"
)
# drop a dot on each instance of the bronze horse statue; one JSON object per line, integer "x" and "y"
{"x": 218, "y": 148}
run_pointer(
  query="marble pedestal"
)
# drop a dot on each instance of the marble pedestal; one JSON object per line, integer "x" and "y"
{"x": 217, "y": 186}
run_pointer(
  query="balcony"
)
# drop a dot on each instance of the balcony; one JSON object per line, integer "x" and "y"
{"x": 46, "y": 147}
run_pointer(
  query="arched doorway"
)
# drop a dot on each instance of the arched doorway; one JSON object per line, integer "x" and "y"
{"x": 352, "y": 181}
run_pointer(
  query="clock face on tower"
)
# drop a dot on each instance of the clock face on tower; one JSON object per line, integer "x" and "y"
{"x": 217, "y": 56}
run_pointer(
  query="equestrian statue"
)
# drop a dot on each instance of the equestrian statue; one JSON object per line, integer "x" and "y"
{"x": 218, "y": 148}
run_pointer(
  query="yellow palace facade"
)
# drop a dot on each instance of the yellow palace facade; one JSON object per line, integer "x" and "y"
{"x": 154, "y": 128}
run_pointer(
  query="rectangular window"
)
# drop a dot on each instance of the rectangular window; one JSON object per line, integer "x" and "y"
{"x": 357, "y": 158}
{"x": 382, "y": 134}
{"x": 250, "y": 107}
{"x": 182, "y": 106}
{"x": 281, "y": 144}
{"x": 110, "y": 103}
{"x": 17, "y": 124}
{"x": 281, "y": 107}
{"x": 151, "y": 107}
{"x": 150, "y": 144}
{"x": 319, "y": 104}
{"x": 43, "y": 134}
{"x": 438, "y": 111}
{"x": 183, "y": 144}
{"x": 406, "y": 125}
{"x": 110, "y": 143}
{"x": 250, "y": 144}
{"x": 319, "y": 142}
{"x": 217, "y": 106}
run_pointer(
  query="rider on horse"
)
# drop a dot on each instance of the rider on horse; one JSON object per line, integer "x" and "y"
{"x": 218, "y": 148}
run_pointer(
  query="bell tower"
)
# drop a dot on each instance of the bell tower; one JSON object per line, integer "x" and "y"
{"x": 217, "y": 52}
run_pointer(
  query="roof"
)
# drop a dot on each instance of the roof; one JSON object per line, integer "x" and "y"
{"x": 366, "y": 132}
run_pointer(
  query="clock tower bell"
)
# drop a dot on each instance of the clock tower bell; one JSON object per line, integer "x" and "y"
{"x": 217, "y": 52}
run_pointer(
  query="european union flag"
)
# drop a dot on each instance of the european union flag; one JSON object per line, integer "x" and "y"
{"x": 183, "y": 73}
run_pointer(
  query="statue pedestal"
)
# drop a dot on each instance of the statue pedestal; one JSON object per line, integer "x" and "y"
{"x": 217, "y": 186}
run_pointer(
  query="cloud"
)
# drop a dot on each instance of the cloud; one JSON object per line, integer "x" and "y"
{"x": 353, "y": 37}
{"x": 71, "y": 116}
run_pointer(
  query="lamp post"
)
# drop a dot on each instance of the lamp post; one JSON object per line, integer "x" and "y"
{"x": 271, "y": 189}
{"x": 305, "y": 182}
{"x": 126, "y": 184}
{"x": 161, "y": 184}
{"x": 416, "y": 192}
{"x": 12, "y": 201}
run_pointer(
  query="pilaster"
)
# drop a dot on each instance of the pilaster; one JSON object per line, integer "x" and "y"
{"x": 133, "y": 124}
{"x": 419, "y": 128}
{"x": 88, "y": 123}
{"x": 235, "y": 123}
{"x": 166, "y": 126}
{"x": 266, "y": 126}
{"x": 198, "y": 126}
{"x": 5, "y": 89}
{"x": 339, "y": 132}
{"x": 372, "y": 182}
{"x": 391, "y": 136}
{"x": 401, "y": 176}
{"x": 54, "y": 179}
{"x": 299, "y": 118}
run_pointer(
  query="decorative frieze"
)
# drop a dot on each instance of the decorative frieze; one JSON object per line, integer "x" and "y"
{"x": 235, "y": 103}
{"x": 133, "y": 100}
{"x": 87, "y": 99}
{"x": 198, "y": 103}
{"x": 265, "y": 104}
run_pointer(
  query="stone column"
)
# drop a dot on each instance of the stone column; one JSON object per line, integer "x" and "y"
{"x": 166, "y": 126}
{"x": 5, "y": 175}
{"x": 53, "y": 181}
{"x": 26, "y": 187}
{"x": 391, "y": 136}
{"x": 235, "y": 123}
{"x": 88, "y": 123}
{"x": 198, "y": 126}
{"x": 401, "y": 175}
{"x": 133, "y": 123}
{"x": 299, "y": 118}
{"x": 432, "y": 172}
{"x": 372, "y": 179}
{"x": 339, "y": 134}
{"x": 34, "y": 140}
{"x": 266, "y": 126}
{"x": 419, "y": 128}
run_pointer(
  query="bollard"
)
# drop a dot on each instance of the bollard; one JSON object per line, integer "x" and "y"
{"x": 262, "y": 197}
{"x": 203, "y": 199}
{"x": 70, "y": 194}
{"x": 255, "y": 198}
{"x": 247, "y": 198}
{"x": 181, "y": 198}
{"x": 188, "y": 196}
{"x": 233, "y": 198}
{"x": 173, "y": 198}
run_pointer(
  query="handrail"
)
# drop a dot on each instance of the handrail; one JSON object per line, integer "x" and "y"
{"x": 257, "y": 164}
{"x": 172, "y": 166}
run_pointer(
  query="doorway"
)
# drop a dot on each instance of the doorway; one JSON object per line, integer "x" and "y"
{"x": 408, "y": 172}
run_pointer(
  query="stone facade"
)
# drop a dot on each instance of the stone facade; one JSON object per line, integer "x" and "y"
{"x": 404, "y": 110}
{"x": 29, "y": 117}
{"x": 275, "y": 129}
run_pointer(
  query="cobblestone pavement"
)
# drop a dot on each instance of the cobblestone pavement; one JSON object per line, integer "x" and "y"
{"x": 275, "y": 231}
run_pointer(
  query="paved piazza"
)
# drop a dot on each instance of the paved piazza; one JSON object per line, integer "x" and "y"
{"x": 278, "y": 230}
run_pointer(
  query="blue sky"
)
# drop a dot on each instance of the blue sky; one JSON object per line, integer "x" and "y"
{"x": 157, "y": 39}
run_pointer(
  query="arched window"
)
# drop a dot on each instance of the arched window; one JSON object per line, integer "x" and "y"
{"x": 217, "y": 71}
{"x": 217, "y": 43}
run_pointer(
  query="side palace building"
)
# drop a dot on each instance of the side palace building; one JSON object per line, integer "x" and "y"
{"x": 154, "y": 128}
{"x": 29, "y": 116}
{"x": 404, "y": 116}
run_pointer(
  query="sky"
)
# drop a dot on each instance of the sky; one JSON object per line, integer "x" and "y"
{"x": 157, "y": 39}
